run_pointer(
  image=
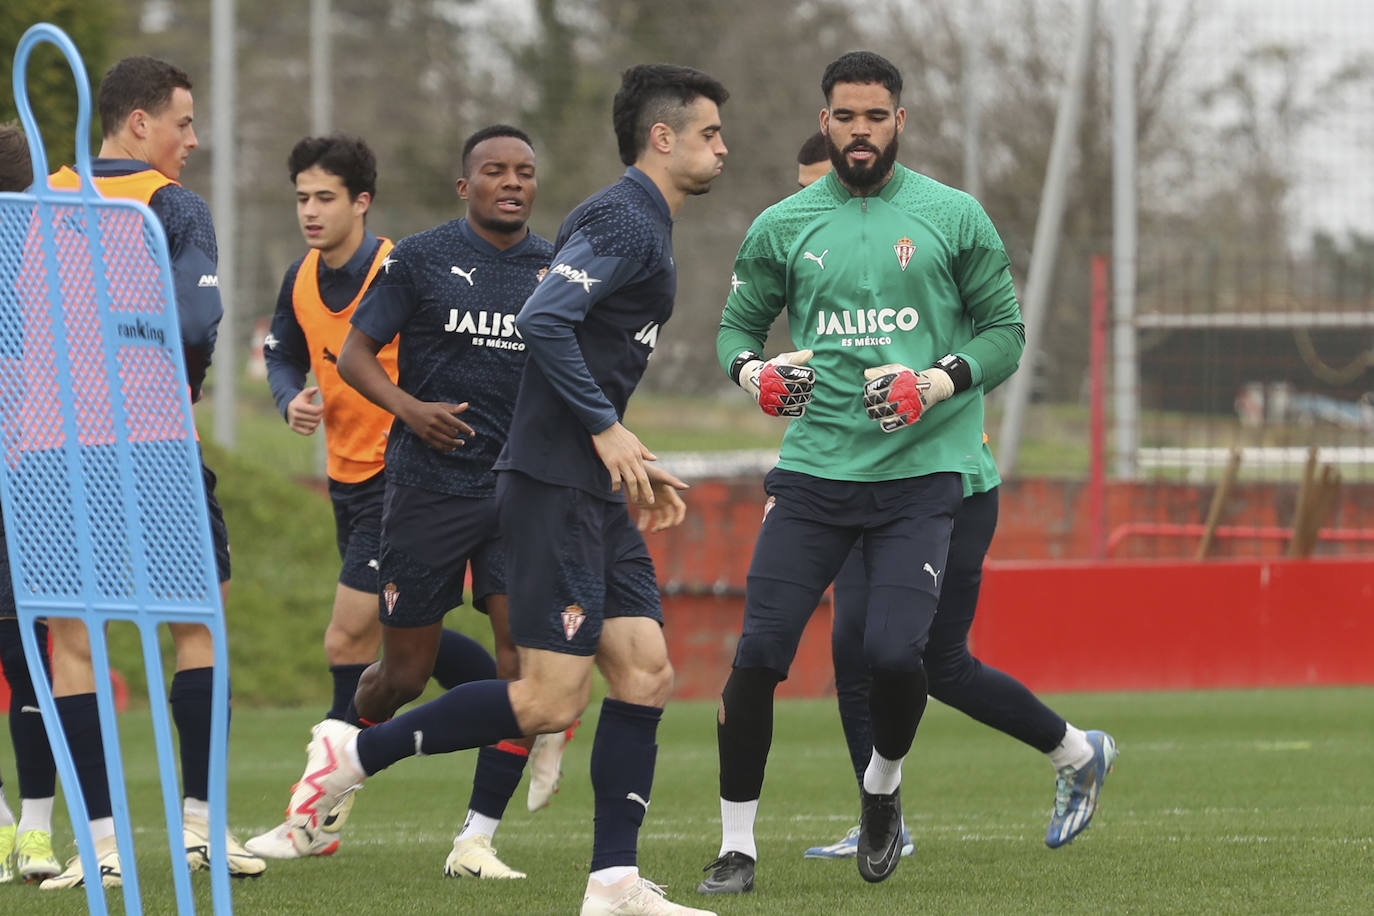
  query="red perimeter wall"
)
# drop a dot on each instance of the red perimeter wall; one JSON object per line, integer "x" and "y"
{"x": 1054, "y": 618}
{"x": 1059, "y": 621}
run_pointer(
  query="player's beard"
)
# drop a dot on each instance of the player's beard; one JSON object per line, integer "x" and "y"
{"x": 862, "y": 178}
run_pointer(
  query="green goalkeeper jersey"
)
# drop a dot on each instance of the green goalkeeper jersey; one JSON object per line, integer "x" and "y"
{"x": 907, "y": 275}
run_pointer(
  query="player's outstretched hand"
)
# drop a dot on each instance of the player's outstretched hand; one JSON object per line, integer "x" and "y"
{"x": 897, "y": 396}
{"x": 438, "y": 424}
{"x": 303, "y": 415}
{"x": 624, "y": 456}
{"x": 667, "y": 510}
{"x": 782, "y": 385}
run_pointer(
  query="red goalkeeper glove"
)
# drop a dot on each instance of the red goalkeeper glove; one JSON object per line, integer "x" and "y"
{"x": 897, "y": 396}
{"x": 782, "y": 385}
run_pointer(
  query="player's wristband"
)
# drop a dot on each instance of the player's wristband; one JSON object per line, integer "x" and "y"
{"x": 959, "y": 371}
{"x": 739, "y": 363}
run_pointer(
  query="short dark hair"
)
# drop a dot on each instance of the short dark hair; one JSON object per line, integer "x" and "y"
{"x": 862, "y": 67}
{"x": 813, "y": 150}
{"x": 657, "y": 93}
{"x": 134, "y": 83}
{"x": 16, "y": 168}
{"x": 486, "y": 133}
{"x": 339, "y": 154}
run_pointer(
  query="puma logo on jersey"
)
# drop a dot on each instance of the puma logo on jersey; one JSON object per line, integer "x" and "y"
{"x": 387, "y": 262}
{"x": 465, "y": 274}
{"x": 575, "y": 275}
{"x": 210, "y": 280}
{"x": 329, "y": 357}
{"x": 736, "y": 283}
{"x": 934, "y": 574}
{"x": 648, "y": 335}
{"x": 819, "y": 259}
{"x": 636, "y": 797}
{"x": 270, "y": 341}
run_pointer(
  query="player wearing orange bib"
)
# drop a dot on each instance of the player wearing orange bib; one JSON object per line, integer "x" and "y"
{"x": 335, "y": 180}
{"x": 146, "y": 112}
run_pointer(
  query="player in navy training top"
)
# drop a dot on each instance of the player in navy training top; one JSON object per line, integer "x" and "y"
{"x": 451, "y": 293}
{"x": 146, "y": 112}
{"x": 582, "y": 587}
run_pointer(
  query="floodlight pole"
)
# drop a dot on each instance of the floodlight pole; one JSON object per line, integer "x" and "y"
{"x": 1126, "y": 368}
{"x": 222, "y": 87}
{"x": 321, "y": 123}
{"x": 1045, "y": 246}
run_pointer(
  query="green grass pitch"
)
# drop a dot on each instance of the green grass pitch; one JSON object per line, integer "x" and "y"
{"x": 1222, "y": 802}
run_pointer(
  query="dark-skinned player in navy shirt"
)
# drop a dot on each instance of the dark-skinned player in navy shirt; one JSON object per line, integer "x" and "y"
{"x": 582, "y": 586}
{"x": 449, "y": 295}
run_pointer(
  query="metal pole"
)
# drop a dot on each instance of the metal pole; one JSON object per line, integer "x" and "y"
{"x": 222, "y": 80}
{"x": 1126, "y": 374}
{"x": 321, "y": 123}
{"x": 1046, "y": 243}
{"x": 321, "y": 98}
{"x": 973, "y": 103}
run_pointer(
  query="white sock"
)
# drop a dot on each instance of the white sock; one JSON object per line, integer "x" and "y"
{"x": 36, "y": 814}
{"x": 350, "y": 750}
{"x": 883, "y": 776}
{"x": 479, "y": 823}
{"x": 102, "y": 827}
{"x": 1073, "y": 750}
{"x": 195, "y": 807}
{"x": 6, "y": 815}
{"x": 613, "y": 875}
{"x": 737, "y": 827}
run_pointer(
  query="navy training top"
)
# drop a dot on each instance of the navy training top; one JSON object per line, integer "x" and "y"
{"x": 452, "y": 296}
{"x": 591, "y": 327}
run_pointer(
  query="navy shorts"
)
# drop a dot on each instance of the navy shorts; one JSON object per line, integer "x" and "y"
{"x": 358, "y": 529}
{"x": 428, "y": 541}
{"x": 574, "y": 560}
{"x": 807, "y": 533}
{"x": 219, "y": 533}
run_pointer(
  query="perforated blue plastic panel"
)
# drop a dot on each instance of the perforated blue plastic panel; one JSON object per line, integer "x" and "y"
{"x": 104, "y": 506}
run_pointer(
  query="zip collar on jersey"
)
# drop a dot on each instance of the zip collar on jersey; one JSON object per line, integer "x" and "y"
{"x": 357, "y": 266}
{"x": 886, "y": 192}
{"x": 476, "y": 241}
{"x": 106, "y": 168}
{"x": 647, "y": 183}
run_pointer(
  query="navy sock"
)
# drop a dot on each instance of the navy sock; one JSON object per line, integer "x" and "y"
{"x": 895, "y": 706}
{"x": 32, "y": 755}
{"x": 81, "y": 721}
{"x": 190, "y": 699}
{"x": 744, "y": 738}
{"x": 345, "y": 685}
{"x": 498, "y": 773}
{"x": 462, "y": 659}
{"x": 468, "y": 716}
{"x": 623, "y": 755}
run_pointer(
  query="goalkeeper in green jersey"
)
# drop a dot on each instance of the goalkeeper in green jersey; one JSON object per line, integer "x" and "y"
{"x": 899, "y": 294}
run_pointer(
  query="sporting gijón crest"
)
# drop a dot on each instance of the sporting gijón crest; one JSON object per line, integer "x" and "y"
{"x": 389, "y": 595}
{"x": 905, "y": 248}
{"x": 572, "y": 621}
